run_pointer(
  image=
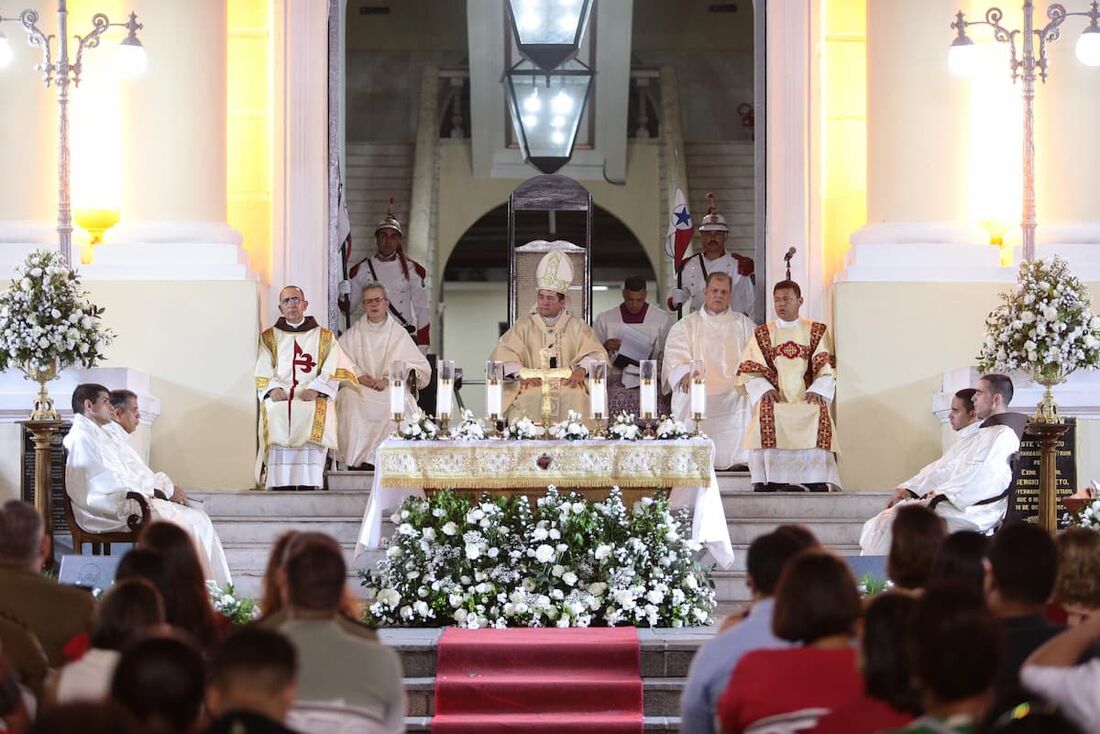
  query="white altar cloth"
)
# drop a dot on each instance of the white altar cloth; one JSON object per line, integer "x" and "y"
{"x": 405, "y": 468}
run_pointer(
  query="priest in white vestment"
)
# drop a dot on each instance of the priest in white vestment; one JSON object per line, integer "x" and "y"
{"x": 549, "y": 338}
{"x": 717, "y": 335}
{"x": 789, "y": 374}
{"x": 298, "y": 371}
{"x": 969, "y": 485}
{"x": 644, "y": 327}
{"x": 102, "y": 466}
{"x": 364, "y": 418}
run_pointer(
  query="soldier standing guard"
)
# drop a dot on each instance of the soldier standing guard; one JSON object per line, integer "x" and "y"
{"x": 713, "y": 259}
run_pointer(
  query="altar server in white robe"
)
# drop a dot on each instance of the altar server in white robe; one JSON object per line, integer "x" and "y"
{"x": 102, "y": 467}
{"x": 364, "y": 418}
{"x": 716, "y": 334}
{"x": 969, "y": 485}
{"x": 648, "y": 324}
{"x": 299, "y": 369}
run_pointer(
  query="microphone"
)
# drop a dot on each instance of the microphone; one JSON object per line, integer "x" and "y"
{"x": 789, "y": 255}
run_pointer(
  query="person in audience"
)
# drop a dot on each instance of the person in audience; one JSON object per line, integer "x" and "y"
{"x": 1020, "y": 572}
{"x": 917, "y": 535}
{"x": 275, "y": 612}
{"x": 889, "y": 698}
{"x": 129, "y": 608}
{"x": 1053, "y": 672}
{"x": 715, "y": 660}
{"x": 160, "y": 681}
{"x": 14, "y": 716}
{"x": 333, "y": 665}
{"x": 954, "y": 645}
{"x": 186, "y": 598}
{"x": 960, "y": 559}
{"x": 56, "y": 614}
{"x": 147, "y": 564}
{"x": 87, "y": 717}
{"x": 101, "y": 468}
{"x": 1077, "y": 585}
{"x": 252, "y": 684}
{"x": 968, "y": 486}
{"x": 817, "y": 606}
{"x": 23, "y": 652}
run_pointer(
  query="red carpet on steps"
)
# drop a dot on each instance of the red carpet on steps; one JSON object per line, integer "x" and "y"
{"x": 580, "y": 681}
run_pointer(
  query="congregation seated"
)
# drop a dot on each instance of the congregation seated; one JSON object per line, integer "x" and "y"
{"x": 817, "y": 607}
{"x": 160, "y": 681}
{"x": 335, "y": 667}
{"x": 1054, "y": 671}
{"x": 252, "y": 683}
{"x": 918, "y": 533}
{"x": 959, "y": 560}
{"x": 101, "y": 468}
{"x": 1077, "y": 585}
{"x": 86, "y": 717}
{"x": 53, "y": 613}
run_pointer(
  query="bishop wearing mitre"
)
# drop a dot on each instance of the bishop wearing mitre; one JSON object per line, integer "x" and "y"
{"x": 717, "y": 335}
{"x": 789, "y": 374}
{"x": 298, "y": 371}
{"x": 375, "y": 343}
{"x": 551, "y": 338}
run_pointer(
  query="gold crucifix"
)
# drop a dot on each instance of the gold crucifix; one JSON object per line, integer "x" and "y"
{"x": 546, "y": 373}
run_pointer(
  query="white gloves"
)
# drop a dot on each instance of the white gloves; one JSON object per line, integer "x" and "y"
{"x": 677, "y": 297}
{"x": 344, "y": 288}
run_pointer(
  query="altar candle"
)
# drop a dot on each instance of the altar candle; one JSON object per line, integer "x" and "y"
{"x": 698, "y": 397}
{"x": 597, "y": 398}
{"x": 444, "y": 397}
{"x": 397, "y": 397}
{"x": 494, "y": 398}
{"x": 647, "y": 368}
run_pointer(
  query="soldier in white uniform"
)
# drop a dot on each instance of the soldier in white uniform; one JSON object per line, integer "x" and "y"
{"x": 402, "y": 276}
{"x": 713, "y": 233}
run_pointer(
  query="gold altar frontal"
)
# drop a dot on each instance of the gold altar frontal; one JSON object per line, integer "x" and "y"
{"x": 511, "y": 467}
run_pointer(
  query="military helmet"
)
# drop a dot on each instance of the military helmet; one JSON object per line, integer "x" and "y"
{"x": 712, "y": 220}
{"x": 389, "y": 221}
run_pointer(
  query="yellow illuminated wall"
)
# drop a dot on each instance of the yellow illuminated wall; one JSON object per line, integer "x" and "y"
{"x": 249, "y": 127}
{"x": 843, "y": 105}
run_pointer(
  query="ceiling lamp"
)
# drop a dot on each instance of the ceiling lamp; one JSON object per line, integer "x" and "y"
{"x": 546, "y": 109}
{"x": 548, "y": 32}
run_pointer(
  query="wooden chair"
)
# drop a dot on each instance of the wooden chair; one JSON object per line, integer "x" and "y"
{"x": 135, "y": 522}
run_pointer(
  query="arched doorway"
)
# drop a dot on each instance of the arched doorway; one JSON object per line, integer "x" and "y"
{"x": 473, "y": 294}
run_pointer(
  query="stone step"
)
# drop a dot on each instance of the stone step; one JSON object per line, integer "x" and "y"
{"x": 238, "y": 503}
{"x": 809, "y": 506}
{"x": 361, "y": 147}
{"x": 829, "y": 531}
{"x": 249, "y": 529}
{"x": 718, "y": 146}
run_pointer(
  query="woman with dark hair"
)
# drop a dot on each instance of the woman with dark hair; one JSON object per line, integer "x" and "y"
{"x": 889, "y": 698}
{"x": 161, "y": 681}
{"x": 186, "y": 599}
{"x": 918, "y": 533}
{"x": 128, "y": 608}
{"x": 271, "y": 599}
{"x": 959, "y": 561}
{"x": 816, "y": 605}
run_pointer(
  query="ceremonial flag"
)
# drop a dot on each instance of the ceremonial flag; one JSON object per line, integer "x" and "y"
{"x": 343, "y": 225}
{"x": 680, "y": 229}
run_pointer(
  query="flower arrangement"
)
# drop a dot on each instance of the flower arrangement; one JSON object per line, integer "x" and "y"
{"x": 1044, "y": 326}
{"x": 565, "y": 562}
{"x": 570, "y": 429}
{"x": 418, "y": 427}
{"x": 1089, "y": 515}
{"x": 470, "y": 429}
{"x": 523, "y": 430}
{"x": 624, "y": 428}
{"x": 226, "y": 603}
{"x": 46, "y": 319}
{"x": 669, "y": 429}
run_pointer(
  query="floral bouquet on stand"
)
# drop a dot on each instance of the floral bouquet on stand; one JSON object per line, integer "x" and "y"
{"x": 669, "y": 429}
{"x": 470, "y": 429}
{"x": 1045, "y": 327}
{"x": 570, "y": 429}
{"x": 228, "y": 604}
{"x": 47, "y": 324}
{"x": 523, "y": 430}
{"x": 418, "y": 427}
{"x": 624, "y": 428}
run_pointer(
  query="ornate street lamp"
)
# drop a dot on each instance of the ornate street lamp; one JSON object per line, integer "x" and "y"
{"x": 63, "y": 72}
{"x": 546, "y": 109}
{"x": 548, "y": 32}
{"x": 1026, "y": 64}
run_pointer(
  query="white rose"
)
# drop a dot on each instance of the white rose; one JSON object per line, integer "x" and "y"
{"x": 450, "y": 529}
{"x": 603, "y": 552}
{"x": 557, "y": 570}
{"x": 473, "y": 551}
{"x": 25, "y": 284}
{"x": 655, "y": 596}
{"x": 540, "y": 534}
{"x": 597, "y": 588}
{"x": 406, "y": 612}
{"x": 421, "y": 608}
{"x": 569, "y": 578}
{"x": 429, "y": 533}
{"x": 494, "y": 552}
{"x": 544, "y": 553}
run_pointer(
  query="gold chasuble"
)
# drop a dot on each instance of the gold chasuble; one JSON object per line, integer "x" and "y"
{"x": 790, "y": 358}
{"x": 571, "y": 343}
{"x": 296, "y": 359}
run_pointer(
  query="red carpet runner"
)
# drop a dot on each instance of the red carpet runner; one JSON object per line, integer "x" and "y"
{"x": 580, "y": 681}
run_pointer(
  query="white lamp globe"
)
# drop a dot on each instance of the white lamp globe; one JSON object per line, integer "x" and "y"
{"x": 962, "y": 57}
{"x": 5, "y": 51}
{"x": 130, "y": 59}
{"x": 1088, "y": 46}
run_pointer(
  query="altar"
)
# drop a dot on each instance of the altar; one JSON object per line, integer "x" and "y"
{"x": 683, "y": 466}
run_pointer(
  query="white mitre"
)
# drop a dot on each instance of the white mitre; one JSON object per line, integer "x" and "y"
{"x": 554, "y": 273}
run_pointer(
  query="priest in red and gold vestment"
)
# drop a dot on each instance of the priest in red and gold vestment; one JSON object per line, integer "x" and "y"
{"x": 788, "y": 371}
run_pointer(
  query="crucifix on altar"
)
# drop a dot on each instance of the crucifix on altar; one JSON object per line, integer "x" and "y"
{"x": 545, "y": 372}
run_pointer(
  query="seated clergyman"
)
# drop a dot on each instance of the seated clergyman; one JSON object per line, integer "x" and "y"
{"x": 102, "y": 467}
{"x": 968, "y": 486}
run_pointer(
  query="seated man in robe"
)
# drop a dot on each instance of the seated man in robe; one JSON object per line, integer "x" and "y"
{"x": 788, "y": 372}
{"x": 642, "y": 322}
{"x": 717, "y": 335}
{"x": 968, "y": 486}
{"x": 549, "y": 338}
{"x": 102, "y": 467}
{"x": 375, "y": 341}
{"x": 299, "y": 369}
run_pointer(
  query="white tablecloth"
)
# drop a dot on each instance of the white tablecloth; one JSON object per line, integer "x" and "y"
{"x": 405, "y": 468}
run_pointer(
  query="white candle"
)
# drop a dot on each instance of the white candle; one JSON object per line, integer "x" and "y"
{"x": 494, "y": 398}
{"x": 444, "y": 397}
{"x": 648, "y": 397}
{"x": 699, "y": 398}
{"x": 397, "y": 397}
{"x": 597, "y": 397}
